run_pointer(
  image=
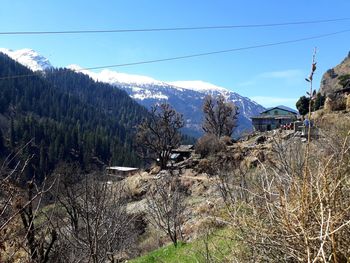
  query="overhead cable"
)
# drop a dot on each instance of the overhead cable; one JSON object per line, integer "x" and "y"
{"x": 130, "y": 30}
{"x": 197, "y": 54}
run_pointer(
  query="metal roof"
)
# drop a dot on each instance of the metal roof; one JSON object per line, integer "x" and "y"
{"x": 184, "y": 148}
{"x": 274, "y": 117}
{"x": 174, "y": 155}
{"x": 122, "y": 169}
{"x": 282, "y": 107}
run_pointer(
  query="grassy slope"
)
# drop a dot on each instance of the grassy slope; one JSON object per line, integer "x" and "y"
{"x": 220, "y": 249}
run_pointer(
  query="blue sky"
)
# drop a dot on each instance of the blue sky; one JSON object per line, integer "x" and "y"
{"x": 271, "y": 76}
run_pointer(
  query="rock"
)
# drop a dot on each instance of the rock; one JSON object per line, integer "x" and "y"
{"x": 335, "y": 103}
{"x": 328, "y": 105}
{"x": 348, "y": 102}
{"x": 330, "y": 79}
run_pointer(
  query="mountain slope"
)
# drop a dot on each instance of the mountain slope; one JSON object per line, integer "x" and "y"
{"x": 69, "y": 118}
{"x": 185, "y": 96}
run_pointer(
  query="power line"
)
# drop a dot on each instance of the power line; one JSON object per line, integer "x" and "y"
{"x": 217, "y": 52}
{"x": 172, "y": 28}
{"x": 198, "y": 54}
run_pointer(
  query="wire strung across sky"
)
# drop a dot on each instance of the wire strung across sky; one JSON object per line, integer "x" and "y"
{"x": 196, "y": 55}
{"x": 172, "y": 28}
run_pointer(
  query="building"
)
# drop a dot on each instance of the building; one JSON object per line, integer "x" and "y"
{"x": 181, "y": 153}
{"x": 273, "y": 118}
{"x": 120, "y": 172}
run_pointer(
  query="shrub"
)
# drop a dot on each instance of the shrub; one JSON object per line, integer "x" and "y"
{"x": 300, "y": 213}
{"x": 209, "y": 145}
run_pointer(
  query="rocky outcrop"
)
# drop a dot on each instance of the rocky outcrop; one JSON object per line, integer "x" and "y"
{"x": 330, "y": 79}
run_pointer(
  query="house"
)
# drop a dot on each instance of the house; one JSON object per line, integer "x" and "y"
{"x": 273, "y": 118}
{"x": 181, "y": 153}
{"x": 120, "y": 172}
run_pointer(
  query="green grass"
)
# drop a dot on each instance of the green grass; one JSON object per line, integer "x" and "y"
{"x": 220, "y": 249}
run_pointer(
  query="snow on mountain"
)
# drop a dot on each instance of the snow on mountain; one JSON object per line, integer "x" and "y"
{"x": 29, "y": 58}
{"x": 185, "y": 96}
{"x": 198, "y": 85}
{"x": 114, "y": 77}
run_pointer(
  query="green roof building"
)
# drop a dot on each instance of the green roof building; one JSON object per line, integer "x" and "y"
{"x": 273, "y": 118}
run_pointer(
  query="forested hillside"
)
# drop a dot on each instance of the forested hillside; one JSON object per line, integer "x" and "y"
{"x": 66, "y": 117}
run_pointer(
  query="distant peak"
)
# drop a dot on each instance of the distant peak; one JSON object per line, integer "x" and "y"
{"x": 5, "y": 50}
{"x": 114, "y": 77}
{"x": 29, "y": 58}
{"x": 26, "y": 50}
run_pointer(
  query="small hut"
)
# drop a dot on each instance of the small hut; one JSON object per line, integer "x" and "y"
{"x": 181, "y": 153}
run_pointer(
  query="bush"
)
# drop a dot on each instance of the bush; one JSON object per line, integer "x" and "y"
{"x": 205, "y": 166}
{"x": 227, "y": 140}
{"x": 209, "y": 145}
{"x": 298, "y": 210}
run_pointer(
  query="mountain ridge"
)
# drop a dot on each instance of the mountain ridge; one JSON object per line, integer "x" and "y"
{"x": 185, "y": 96}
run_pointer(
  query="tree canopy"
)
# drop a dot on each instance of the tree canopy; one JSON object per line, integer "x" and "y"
{"x": 303, "y": 105}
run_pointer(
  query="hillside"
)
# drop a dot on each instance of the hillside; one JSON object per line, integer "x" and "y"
{"x": 69, "y": 118}
{"x": 330, "y": 79}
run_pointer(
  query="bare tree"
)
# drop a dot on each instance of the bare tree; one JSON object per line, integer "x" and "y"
{"x": 220, "y": 116}
{"x": 19, "y": 211}
{"x": 159, "y": 134}
{"x": 10, "y": 175}
{"x": 39, "y": 243}
{"x": 98, "y": 228}
{"x": 166, "y": 207}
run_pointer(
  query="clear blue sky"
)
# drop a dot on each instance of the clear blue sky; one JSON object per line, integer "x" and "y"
{"x": 272, "y": 75}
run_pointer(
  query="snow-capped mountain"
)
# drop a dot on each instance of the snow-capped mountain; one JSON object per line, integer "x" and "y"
{"x": 185, "y": 96}
{"x": 28, "y": 58}
{"x": 188, "y": 99}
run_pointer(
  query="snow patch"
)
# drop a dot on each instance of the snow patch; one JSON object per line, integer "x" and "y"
{"x": 147, "y": 95}
{"x": 198, "y": 85}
